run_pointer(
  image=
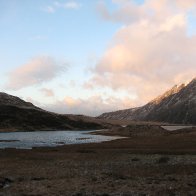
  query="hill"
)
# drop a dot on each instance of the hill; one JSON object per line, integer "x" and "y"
{"x": 18, "y": 115}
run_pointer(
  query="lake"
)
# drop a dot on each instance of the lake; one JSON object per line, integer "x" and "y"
{"x": 27, "y": 140}
{"x": 176, "y": 127}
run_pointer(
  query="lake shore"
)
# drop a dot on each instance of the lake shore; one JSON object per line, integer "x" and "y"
{"x": 160, "y": 164}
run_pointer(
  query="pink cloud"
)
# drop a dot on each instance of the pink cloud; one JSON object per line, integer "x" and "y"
{"x": 128, "y": 12}
{"x": 36, "y": 71}
{"x": 149, "y": 54}
{"x": 91, "y": 106}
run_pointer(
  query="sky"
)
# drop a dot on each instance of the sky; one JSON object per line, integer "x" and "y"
{"x": 94, "y": 56}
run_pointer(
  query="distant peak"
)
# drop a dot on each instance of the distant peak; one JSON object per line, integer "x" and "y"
{"x": 194, "y": 80}
{"x": 191, "y": 81}
{"x": 175, "y": 89}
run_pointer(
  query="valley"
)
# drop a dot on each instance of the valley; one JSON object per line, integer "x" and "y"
{"x": 153, "y": 151}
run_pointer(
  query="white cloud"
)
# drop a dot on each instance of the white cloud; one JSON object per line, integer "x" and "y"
{"x": 67, "y": 5}
{"x": 35, "y": 72}
{"x": 72, "y": 5}
{"x": 151, "y": 52}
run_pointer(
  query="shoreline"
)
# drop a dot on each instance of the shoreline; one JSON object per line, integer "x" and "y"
{"x": 128, "y": 138}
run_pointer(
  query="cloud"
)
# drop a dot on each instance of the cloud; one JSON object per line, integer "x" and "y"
{"x": 151, "y": 52}
{"x": 47, "y": 92}
{"x": 35, "y": 72}
{"x": 92, "y": 106}
{"x": 72, "y": 5}
{"x": 127, "y": 13}
{"x": 68, "y": 5}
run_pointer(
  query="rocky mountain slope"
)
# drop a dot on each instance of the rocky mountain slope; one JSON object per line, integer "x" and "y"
{"x": 178, "y": 105}
{"x": 16, "y": 114}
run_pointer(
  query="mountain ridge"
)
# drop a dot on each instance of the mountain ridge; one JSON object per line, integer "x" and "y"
{"x": 167, "y": 107}
{"x": 19, "y": 115}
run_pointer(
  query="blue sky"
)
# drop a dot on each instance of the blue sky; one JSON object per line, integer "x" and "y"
{"x": 71, "y": 35}
{"x": 94, "y": 42}
{"x": 28, "y": 30}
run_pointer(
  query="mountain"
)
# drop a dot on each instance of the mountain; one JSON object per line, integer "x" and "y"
{"x": 177, "y": 105}
{"x": 6, "y": 99}
{"x": 16, "y": 114}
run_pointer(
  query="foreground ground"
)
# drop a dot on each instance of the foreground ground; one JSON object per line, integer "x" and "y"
{"x": 148, "y": 162}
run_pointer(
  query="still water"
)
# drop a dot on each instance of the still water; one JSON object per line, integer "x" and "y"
{"x": 27, "y": 140}
{"x": 174, "y": 127}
